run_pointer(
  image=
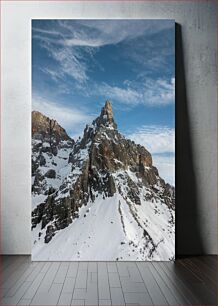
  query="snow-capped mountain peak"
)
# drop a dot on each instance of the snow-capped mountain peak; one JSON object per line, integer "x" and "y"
{"x": 109, "y": 190}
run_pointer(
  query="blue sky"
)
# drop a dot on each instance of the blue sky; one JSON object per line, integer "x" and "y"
{"x": 79, "y": 64}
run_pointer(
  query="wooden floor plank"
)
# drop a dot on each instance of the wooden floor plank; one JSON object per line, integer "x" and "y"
{"x": 151, "y": 284}
{"x": 117, "y": 297}
{"x": 105, "y": 302}
{"x": 61, "y": 273}
{"x": 30, "y": 293}
{"x": 114, "y": 280}
{"x": 73, "y": 268}
{"x": 91, "y": 294}
{"x": 13, "y": 263}
{"x": 112, "y": 267}
{"x": 9, "y": 276}
{"x": 172, "y": 284}
{"x": 24, "y": 302}
{"x": 208, "y": 275}
{"x": 78, "y": 302}
{"x": 16, "y": 274}
{"x": 49, "y": 277}
{"x": 48, "y": 298}
{"x": 5, "y": 262}
{"x": 206, "y": 295}
{"x": 167, "y": 291}
{"x": 69, "y": 285}
{"x": 29, "y": 275}
{"x": 140, "y": 298}
{"x": 122, "y": 269}
{"x": 190, "y": 281}
{"x": 170, "y": 270}
{"x": 194, "y": 284}
{"x": 82, "y": 275}
{"x": 17, "y": 297}
{"x": 103, "y": 281}
{"x": 134, "y": 273}
{"x": 65, "y": 298}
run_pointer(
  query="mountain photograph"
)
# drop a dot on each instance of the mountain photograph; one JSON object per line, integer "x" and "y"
{"x": 103, "y": 140}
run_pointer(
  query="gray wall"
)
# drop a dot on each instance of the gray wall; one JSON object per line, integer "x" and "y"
{"x": 196, "y": 113}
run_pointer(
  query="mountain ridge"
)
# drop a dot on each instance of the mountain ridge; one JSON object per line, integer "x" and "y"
{"x": 103, "y": 166}
{"x": 45, "y": 125}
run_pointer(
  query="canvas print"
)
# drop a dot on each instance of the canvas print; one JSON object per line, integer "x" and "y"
{"x": 103, "y": 140}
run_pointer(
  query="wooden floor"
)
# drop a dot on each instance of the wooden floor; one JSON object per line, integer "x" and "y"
{"x": 188, "y": 281}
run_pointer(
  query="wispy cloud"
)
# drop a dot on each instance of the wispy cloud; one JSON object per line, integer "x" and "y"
{"x": 160, "y": 142}
{"x": 157, "y": 139}
{"x": 55, "y": 75}
{"x": 159, "y": 92}
{"x": 152, "y": 92}
{"x": 166, "y": 167}
{"x": 82, "y": 42}
{"x": 70, "y": 118}
{"x": 113, "y": 31}
{"x": 72, "y": 44}
{"x": 97, "y": 33}
{"x": 47, "y": 32}
{"x": 152, "y": 52}
{"x": 126, "y": 95}
{"x": 70, "y": 62}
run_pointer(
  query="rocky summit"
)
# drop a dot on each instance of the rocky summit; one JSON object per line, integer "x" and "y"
{"x": 50, "y": 150}
{"x": 99, "y": 198}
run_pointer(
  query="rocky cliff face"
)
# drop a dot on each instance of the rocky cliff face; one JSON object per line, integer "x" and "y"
{"x": 102, "y": 167}
{"x": 50, "y": 150}
{"x": 46, "y": 127}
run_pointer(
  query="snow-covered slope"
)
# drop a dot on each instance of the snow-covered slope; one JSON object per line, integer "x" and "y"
{"x": 106, "y": 202}
{"x": 110, "y": 229}
{"x": 50, "y": 174}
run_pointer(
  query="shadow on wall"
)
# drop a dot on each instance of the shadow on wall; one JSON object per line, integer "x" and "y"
{"x": 188, "y": 228}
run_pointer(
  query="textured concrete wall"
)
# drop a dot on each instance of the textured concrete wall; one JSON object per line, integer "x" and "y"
{"x": 196, "y": 113}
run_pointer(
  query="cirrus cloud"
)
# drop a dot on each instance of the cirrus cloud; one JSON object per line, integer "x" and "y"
{"x": 166, "y": 167}
{"x": 72, "y": 44}
{"x": 160, "y": 142}
{"x": 159, "y": 92}
{"x": 157, "y": 139}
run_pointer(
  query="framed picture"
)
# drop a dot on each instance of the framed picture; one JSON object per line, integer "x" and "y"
{"x": 103, "y": 140}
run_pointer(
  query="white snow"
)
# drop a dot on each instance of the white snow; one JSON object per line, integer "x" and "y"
{"x": 46, "y": 144}
{"x": 101, "y": 233}
{"x": 59, "y": 163}
{"x": 85, "y": 238}
{"x": 106, "y": 229}
{"x": 37, "y": 199}
{"x": 132, "y": 175}
{"x": 117, "y": 161}
{"x": 110, "y": 127}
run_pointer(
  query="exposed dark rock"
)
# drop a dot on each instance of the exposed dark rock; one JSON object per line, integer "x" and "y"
{"x": 42, "y": 160}
{"x": 50, "y": 174}
{"x": 43, "y": 126}
{"x": 49, "y": 233}
{"x": 101, "y": 153}
{"x": 47, "y": 138}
